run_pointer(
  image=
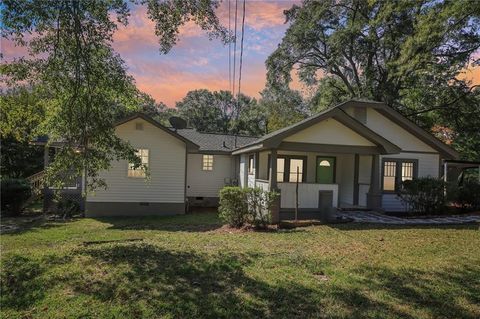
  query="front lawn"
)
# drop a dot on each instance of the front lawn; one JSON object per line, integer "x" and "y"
{"x": 189, "y": 267}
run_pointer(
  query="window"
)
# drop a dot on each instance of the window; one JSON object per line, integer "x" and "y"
{"x": 396, "y": 171}
{"x": 296, "y": 170}
{"x": 251, "y": 165}
{"x": 207, "y": 162}
{"x": 280, "y": 169}
{"x": 139, "y": 171}
{"x": 287, "y": 168}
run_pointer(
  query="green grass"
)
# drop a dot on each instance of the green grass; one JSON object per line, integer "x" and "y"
{"x": 187, "y": 267}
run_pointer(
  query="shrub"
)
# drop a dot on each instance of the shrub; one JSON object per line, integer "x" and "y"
{"x": 67, "y": 207}
{"x": 467, "y": 195}
{"x": 233, "y": 206}
{"x": 424, "y": 195}
{"x": 260, "y": 204}
{"x": 14, "y": 194}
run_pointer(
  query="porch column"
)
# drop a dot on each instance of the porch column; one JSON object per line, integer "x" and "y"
{"x": 257, "y": 164}
{"x": 273, "y": 170}
{"x": 273, "y": 186}
{"x": 46, "y": 160}
{"x": 374, "y": 197}
{"x": 356, "y": 172}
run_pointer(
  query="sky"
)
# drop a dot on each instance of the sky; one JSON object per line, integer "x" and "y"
{"x": 197, "y": 62}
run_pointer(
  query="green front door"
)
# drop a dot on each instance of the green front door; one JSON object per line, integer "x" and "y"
{"x": 325, "y": 170}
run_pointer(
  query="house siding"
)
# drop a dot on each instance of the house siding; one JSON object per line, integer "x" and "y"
{"x": 394, "y": 133}
{"x": 166, "y": 183}
{"x": 208, "y": 183}
{"x": 329, "y": 131}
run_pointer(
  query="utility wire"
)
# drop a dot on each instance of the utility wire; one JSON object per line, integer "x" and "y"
{"x": 235, "y": 48}
{"x": 241, "y": 57}
{"x": 229, "y": 50}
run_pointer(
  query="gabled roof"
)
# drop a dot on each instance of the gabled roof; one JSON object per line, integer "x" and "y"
{"x": 215, "y": 142}
{"x": 274, "y": 139}
{"x": 337, "y": 112}
{"x": 150, "y": 120}
{"x": 406, "y": 124}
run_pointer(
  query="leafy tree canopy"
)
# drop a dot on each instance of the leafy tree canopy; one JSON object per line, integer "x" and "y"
{"x": 409, "y": 54}
{"x": 219, "y": 111}
{"x": 82, "y": 81}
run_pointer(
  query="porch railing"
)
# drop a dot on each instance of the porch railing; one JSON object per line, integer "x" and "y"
{"x": 36, "y": 182}
{"x": 308, "y": 194}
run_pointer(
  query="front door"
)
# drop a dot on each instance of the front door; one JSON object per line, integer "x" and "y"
{"x": 325, "y": 170}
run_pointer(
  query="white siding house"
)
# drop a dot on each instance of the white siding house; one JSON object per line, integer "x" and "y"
{"x": 164, "y": 187}
{"x": 351, "y": 156}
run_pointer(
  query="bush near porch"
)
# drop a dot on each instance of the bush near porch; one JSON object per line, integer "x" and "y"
{"x": 240, "y": 206}
{"x": 430, "y": 196}
{"x": 190, "y": 267}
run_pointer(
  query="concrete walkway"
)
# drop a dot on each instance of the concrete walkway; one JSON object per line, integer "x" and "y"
{"x": 377, "y": 218}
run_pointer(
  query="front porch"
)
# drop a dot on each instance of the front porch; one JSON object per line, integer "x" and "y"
{"x": 328, "y": 179}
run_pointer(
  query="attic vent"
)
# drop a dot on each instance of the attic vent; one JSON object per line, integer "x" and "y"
{"x": 360, "y": 114}
{"x": 139, "y": 126}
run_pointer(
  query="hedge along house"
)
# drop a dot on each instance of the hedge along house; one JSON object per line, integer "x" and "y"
{"x": 354, "y": 155}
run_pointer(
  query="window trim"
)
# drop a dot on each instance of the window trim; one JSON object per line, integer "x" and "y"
{"x": 398, "y": 170}
{"x": 334, "y": 168}
{"x": 286, "y": 172}
{"x": 203, "y": 163}
{"x": 147, "y": 166}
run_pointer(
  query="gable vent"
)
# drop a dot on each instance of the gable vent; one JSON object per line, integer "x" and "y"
{"x": 139, "y": 126}
{"x": 360, "y": 114}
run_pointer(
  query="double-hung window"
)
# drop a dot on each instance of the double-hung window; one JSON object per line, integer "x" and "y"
{"x": 207, "y": 162}
{"x": 289, "y": 167}
{"x": 396, "y": 171}
{"x": 140, "y": 170}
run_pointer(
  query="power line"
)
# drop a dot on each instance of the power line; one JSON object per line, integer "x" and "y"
{"x": 235, "y": 48}
{"x": 241, "y": 59}
{"x": 229, "y": 50}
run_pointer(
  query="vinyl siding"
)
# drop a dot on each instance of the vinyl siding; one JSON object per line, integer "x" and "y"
{"x": 166, "y": 165}
{"x": 329, "y": 131}
{"x": 208, "y": 183}
{"x": 394, "y": 133}
{"x": 428, "y": 165}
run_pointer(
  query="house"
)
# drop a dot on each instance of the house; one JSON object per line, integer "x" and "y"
{"x": 351, "y": 156}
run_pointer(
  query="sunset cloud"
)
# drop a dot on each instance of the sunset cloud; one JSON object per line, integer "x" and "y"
{"x": 197, "y": 62}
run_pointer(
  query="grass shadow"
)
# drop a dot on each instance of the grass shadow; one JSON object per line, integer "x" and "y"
{"x": 192, "y": 222}
{"x": 190, "y": 285}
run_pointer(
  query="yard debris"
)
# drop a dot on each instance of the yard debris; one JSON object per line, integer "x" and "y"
{"x": 321, "y": 276}
{"x": 94, "y": 242}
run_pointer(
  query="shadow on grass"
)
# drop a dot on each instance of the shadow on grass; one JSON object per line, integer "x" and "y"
{"x": 148, "y": 281}
{"x": 193, "y": 222}
{"x": 20, "y": 225}
{"x": 190, "y": 285}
